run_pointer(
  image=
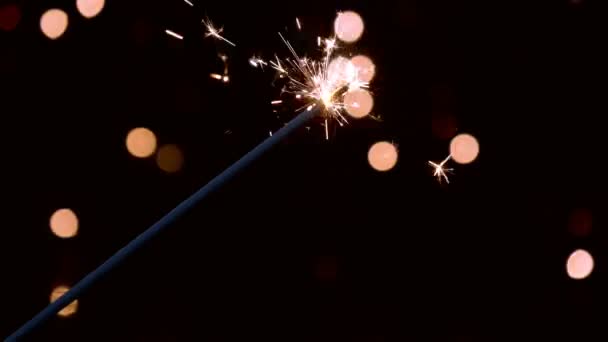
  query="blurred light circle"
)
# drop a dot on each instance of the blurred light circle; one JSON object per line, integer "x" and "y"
{"x": 71, "y": 308}
{"x": 64, "y": 223}
{"x": 464, "y": 148}
{"x": 580, "y": 222}
{"x": 358, "y": 103}
{"x": 579, "y": 264}
{"x": 338, "y": 69}
{"x": 141, "y": 142}
{"x": 444, "y": 126}
{"x": 382, "y": 156}
{"x": 53, "y": 23}
{"x": 365, "y": 68}
{"x": 348, "y": 26}
{"x": 89, "y": 8}
{"x": 10, "y": 15}
{"x": 170, "y": 158}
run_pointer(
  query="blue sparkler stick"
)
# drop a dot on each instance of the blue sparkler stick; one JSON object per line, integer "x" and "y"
{"x": 216, "y": 183}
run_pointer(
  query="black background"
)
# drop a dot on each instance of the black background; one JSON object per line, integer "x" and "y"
{"x": 310, "y": 244}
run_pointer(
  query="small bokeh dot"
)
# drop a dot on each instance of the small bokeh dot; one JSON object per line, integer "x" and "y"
{"x": 89, "y": 8}
{"x": 365, "y": 68}
{"x": 382, "y": 156}
{"x": 53, "y": 23}
{"x": 580, "y": 222}
{"x": 358, "y": 103}
{"x": 348, "y": 26}
{"x": 71, "y": 308}
{"x": 464, "y": 148}
{"x": 64, "y": 223}
{"x": 170, "y": 158}
{"x": 141, "y": 142}
{"x": 10, "y": 15}
{"x": 580, "y": 264}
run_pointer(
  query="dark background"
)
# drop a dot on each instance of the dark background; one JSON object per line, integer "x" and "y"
{"x": 310, "y": 244}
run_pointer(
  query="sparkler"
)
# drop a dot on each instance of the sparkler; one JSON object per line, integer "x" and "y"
{"x": 321, "y": 82}
{"x": 440, "y": 170}
{"x": 319, "y": 85}
{"x": 165, "y": 222}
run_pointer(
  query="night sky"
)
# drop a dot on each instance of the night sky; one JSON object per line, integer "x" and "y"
{"x": 310, "y": 243}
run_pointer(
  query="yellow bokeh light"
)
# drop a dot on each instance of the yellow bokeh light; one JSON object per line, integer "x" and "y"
{"x": 170, "y": 158}
{"x": 89, "y": 8}
{"x": 382, "y": 156}
{"x": 348, "y": 26}
{"x": 579, "y": 264}
{"x": 71, "y": 308}
{"x": 464, "y": 148}
{"x": 365, "y": 68}
{"x": 64, "y": 223}
{"x": 358, "y": 103}
{"x": 141, "y": 142}
{"x": 53, "y": 23}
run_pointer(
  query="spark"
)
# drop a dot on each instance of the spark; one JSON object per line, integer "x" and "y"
{"x": 257, "y": 62}
{"x": 270, "y": 133}
{"x": 215, "y": 32}
{"x": 276, "y": 102}
{"x": 173, "y": 34}
{"x": 322, "y": 81}
{"x": 225, "y": 78}
{"x": 298, "y": 24}
{"x": 189, "y": 3}
{"x": 216, "y": 76}
{"x": 440, "y": 171}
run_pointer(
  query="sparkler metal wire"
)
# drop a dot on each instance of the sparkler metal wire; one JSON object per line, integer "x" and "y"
{"x": 141, "y": 240}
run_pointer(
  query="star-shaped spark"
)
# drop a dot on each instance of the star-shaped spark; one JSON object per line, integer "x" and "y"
{"x": 440, "y": 170}
{"x": 215, "y": 32}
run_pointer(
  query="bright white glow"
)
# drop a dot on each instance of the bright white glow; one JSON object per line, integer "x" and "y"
{"x": 173, "y": 34}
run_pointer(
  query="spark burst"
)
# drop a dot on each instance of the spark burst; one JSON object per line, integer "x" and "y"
{"x": 317, "y": 82}
{"x": 214, "y": 32}
{"x": 440, "y": 170}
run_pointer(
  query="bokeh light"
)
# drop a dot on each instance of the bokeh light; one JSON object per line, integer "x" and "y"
{"x": 10, "y": 15}
{"x": 170, "y": 158}
{"x": 141, "y": 142}
{"x": 64, "y": 223}
{"x": 580, "y": 222}
{"x": 382, "y": 156}
{"x": 443, "y": 126}
{"x": 53, "y": 23}
{"x": 348, "y": 26}
{"x": 464, "y": 148}
{"x": 89, "y": 8}
{"x": 579, "y": 264}
{"x": 358, "y": 103}
{"x": 71, "y": 308}
{"x": 365, "y": 67}
{"x": 338, "y": 68}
